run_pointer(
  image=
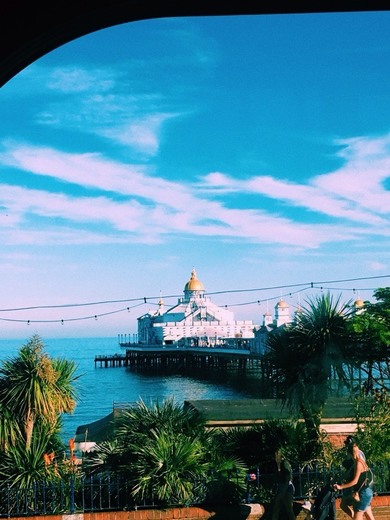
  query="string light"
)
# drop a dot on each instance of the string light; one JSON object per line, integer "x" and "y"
{"x": 143, "y": 300}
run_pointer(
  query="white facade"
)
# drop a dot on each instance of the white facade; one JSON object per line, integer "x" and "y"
{"x": 281, "y": 319}
{"x": 194, "y": 321}
{"x": 282, "y": 313}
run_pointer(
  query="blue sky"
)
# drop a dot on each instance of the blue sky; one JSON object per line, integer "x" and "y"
{"x": 253, "y": 148}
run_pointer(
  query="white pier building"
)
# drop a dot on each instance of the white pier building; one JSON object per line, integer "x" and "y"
{"x": 194, "y": 321}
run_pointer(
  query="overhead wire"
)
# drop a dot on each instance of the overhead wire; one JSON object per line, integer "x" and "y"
{"x": 141, "y": 301}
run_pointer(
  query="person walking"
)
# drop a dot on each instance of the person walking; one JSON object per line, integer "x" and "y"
{"x": 347, "y": 501}
{"x": 284, "y": 499}
{"x": 360, "y": 483}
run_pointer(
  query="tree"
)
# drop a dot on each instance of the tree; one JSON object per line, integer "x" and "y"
{"x": 169, "y": 467}
{"x": 9, "y": 428}
{"x": 373, "y": 425}
{"x": 166, "y": 452}
{"x": 371, "y": 329}
{"x": 21, "y": 468}
{"x": 34, "y": 387}
{"x": 256, "y": 445}
{"x": 304, "y": 354}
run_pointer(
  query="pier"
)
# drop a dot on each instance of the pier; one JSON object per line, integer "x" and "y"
{"x": 155, "y": 358}
{"x": 111, "y": 360}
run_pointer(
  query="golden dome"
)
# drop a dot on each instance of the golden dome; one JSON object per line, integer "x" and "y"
{"x": 193, "y": 283}
{"x": 282, "y": 304}
{"x": 359, "y": 303}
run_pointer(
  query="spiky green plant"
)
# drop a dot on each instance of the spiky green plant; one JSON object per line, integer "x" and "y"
{"x": 34, "y": 387}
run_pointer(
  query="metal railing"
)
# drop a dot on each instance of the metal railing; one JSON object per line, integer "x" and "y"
{"x": 105, "y": 492}
{"x": 308, "y": 480}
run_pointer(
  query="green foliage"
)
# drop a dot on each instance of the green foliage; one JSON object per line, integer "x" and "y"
{"x": 304, "y": 353}
{"x": 168, "y": 415}
{"x": 256, "y": 446}
{"x": 373, "y": 419}
{"x": 226, "y": 484}
{"x": 226, "y": 480}
{"x": 371, "y": 334}
{"x": 107, "y": 457}
{"x": 166, "y": 452}
{"x": 33, "y": 386}
{"x": 21, "y": 467}
{"x": 34, "y": 391}
{"x": 168, "y": 467}
{"x": 10, "y": 431}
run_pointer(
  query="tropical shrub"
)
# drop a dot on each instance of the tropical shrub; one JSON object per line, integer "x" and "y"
{"x": 165, "y": 452}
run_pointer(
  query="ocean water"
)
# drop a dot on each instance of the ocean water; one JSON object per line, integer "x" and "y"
{"x": 99, "y": 388}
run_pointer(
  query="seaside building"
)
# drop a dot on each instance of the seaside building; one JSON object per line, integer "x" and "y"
{"x": 281, "y": 319}
{"x": 194, "y": 321}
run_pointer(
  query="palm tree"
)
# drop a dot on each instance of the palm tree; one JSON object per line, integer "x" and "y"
{"x": 33, "y": 386}
{"x": 305, "y": 353}
{"x": 166, "y": 452}
{"x": 168, "y": 415}
{"x": 9, "y": 429}
{"x": 20, "y": 467}
{"x": 170, "y": 467}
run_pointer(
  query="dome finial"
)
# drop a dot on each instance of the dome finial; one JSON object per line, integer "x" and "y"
{"x": 193, "y": 283}
{"x": 161, "y": 301}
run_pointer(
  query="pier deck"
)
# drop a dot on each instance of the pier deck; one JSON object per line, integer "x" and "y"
{"x": 166, "y": 357}
{"x": 111, "y": 360}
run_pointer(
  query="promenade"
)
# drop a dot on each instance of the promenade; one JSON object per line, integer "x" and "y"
{"x": 380, "y": 508}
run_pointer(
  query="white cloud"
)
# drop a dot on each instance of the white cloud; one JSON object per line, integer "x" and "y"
{"x": 362, "y": 179}
{"x": 378, "y": 266}
{"x": 141, "y": 134}
{"x": 355, "y": 192}
{"x": 75, "y": 80}
{"x": 151, "y": 208}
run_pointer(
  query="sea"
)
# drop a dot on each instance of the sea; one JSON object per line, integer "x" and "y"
{"x": 100, "y": 389}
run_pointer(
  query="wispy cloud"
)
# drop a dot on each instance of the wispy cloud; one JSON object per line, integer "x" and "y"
{"x": 143, "y": 135}
{"x": 105, "y": 103}
{"x": 135, "y": 203}
{"x": 152, "y": 208}
{"x": 355, "y": 192}
{"x": 77, "y": 79}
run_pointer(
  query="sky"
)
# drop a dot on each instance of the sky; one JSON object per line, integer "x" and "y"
{"x": 255, "y": 149}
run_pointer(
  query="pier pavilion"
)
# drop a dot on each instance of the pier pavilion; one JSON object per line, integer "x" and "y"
{"x": 194, "y": 321}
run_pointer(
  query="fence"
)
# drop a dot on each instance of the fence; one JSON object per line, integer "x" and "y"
{"x": 309, "y": 479}
{"x": 105, "y": 493}
{"x": 75, "y": 495}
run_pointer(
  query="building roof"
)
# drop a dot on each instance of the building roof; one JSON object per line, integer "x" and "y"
{"x": 338, "y": 416}
{"x": 250, "y": 411}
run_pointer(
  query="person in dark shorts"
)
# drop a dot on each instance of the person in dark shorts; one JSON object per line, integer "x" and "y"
{"x": 284, "y": 499}
{"x": 347, "y": 500}
{"x": 361, "y": 483}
